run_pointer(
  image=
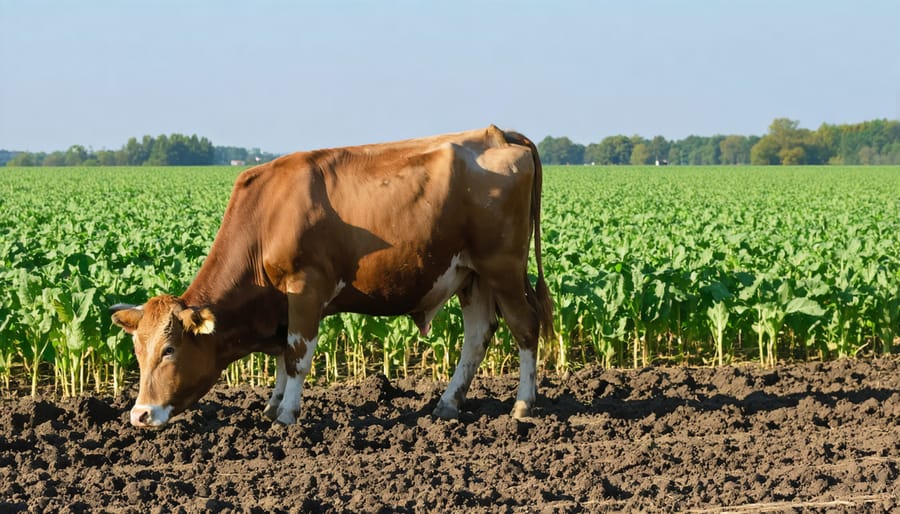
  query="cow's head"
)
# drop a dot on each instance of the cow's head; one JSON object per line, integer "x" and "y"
{"x": 176, "y": 355}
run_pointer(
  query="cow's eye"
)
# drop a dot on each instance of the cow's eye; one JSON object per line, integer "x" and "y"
{"x": 168, "y": 350}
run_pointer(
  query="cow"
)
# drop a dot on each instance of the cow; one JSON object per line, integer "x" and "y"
{"x": 381, "y": 229}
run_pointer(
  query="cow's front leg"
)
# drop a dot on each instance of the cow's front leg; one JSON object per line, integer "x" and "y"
{"x": 271, "y": 410}
{"x": 297, "y": 363}
{"x": 305, "y": 305}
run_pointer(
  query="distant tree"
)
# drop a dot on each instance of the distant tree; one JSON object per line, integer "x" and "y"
{"x": 764, "y": 152}
{"x": 785, "y": 143}
{"x": 107, "y": 158}
{"x": 27, "y": 159}
{"x": 826, "y": 139}
{"x": 675, "y": 154}
{"x": 878, "y": 135}
{"x": 75, "y": 155}
{"x": 159, "y": 151}
{"x": 711, "y": 152}
{"x": 137, "y": 153}
{"x": 792, "y": 155}
{"x": 614, "y": 150}
{"x": 867, "y": 155}
{"x": 560, "y": 150}
{"x": 890, "y": 154}
{"x": 592, "y": 154}
{"x": 659, "y": 148}
{"x": 22, "y": 159}
{"x": 178, "y": 150}
{"x": 203, "y": 150}
{"x": 784, "y": 131}
{"x": 575, "y": 154}
{"x": 604, "y": 152}
{"x": 732, "y": 150}
{"x": 697, "y": 150}
{"x": 54, "y": 159}
{"x": 640, "y": 154}
{"x": 226, "y": 154}
{"x": 5, "y": 156}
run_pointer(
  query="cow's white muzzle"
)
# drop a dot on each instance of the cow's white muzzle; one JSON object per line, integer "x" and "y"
{"x": 150, "y": 415}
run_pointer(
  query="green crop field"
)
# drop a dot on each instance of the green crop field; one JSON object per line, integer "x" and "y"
{"x": 692, "y": 265}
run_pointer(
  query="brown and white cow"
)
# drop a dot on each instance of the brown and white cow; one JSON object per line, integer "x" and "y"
{"x": 383, "y": 229}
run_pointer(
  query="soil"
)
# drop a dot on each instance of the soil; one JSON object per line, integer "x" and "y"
{"x": 810, "y": 437}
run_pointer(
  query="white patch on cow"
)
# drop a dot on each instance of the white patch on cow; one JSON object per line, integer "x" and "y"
{"x": 293, "y": 387}
{"x": 293, "y": 339}
{"x": 478, "y": 317}
{"x": 337, "y": 290}
{"x": 290, "y": 404}
{"x": 150, "y": 415}
{"x": 445, "y": 286}
{"x": 527, "y": 383}
{"x": 305, "y": 362}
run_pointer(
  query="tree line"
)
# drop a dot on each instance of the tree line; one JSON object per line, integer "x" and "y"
{"x": 869, "y": 142}
{"x": 163, "y": 150}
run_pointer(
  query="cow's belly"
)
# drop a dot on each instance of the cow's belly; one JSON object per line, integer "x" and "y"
{"x": 421, "y": 298}
{"x": 446, "y": 285}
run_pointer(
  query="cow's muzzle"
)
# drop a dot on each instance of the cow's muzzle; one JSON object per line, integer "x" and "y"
{"x": 150, "y": 415}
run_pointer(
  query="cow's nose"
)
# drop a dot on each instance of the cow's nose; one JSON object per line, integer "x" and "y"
{"x": 140, "y": 416}
{"x": 150, "y": 415}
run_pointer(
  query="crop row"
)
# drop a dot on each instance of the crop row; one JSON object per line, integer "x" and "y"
{"x": 716, "y": 264}
{"x": 689, "y": 265}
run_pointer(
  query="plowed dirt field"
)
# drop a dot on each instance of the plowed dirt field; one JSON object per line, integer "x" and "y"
{"x": 808, "y": 437}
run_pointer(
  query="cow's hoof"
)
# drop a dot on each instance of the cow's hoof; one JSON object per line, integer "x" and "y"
{"x": 284, "y": 421}
{"x": 271, "y": 412}
{"x": 521, "y": 410}
{"x": 445, "y": 411}
{"x": 286, "y": 417}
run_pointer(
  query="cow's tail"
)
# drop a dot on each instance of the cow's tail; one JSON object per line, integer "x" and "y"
{"x": 541, "y": 302}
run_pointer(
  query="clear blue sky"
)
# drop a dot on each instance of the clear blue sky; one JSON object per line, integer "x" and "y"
{"x": 286, "y": 76}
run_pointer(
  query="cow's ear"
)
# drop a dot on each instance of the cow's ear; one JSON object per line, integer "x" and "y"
{"x": 127, "y": 316}
{"x": 198, "y": 320}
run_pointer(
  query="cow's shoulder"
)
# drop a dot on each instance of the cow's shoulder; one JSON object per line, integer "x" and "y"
{"x": 293, "y": 172}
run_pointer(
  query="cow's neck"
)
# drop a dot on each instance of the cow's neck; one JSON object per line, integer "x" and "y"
{"x": 223, "y": 280}
{"x": 231, "y": 282}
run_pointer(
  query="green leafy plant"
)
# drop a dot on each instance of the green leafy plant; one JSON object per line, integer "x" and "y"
{"x": 687, "y": 265}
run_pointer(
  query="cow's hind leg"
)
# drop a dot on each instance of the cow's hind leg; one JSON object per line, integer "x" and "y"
{"x": 523, "y": 321}
{"x": 271, "y": 410}
{"x": 479, "y": 324}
